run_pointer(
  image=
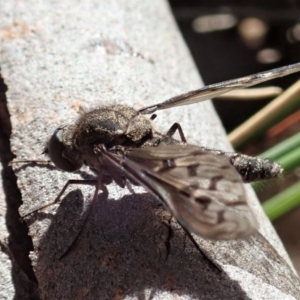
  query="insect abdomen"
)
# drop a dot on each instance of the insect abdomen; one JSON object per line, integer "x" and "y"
{"x": 251, "y": 168}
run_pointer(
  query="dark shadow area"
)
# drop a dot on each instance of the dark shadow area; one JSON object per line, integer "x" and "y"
{"x": 19, "y": 243}
{"x": 133, "y": 245}
{"x": 127, "y": 247}
{"x": 225, "y": 54}
{"x": 66, "y": 227}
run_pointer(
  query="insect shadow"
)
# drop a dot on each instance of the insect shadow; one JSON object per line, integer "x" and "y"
{"x": 132, "y": 237}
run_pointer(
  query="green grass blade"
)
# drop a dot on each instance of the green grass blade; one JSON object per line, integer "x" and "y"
{"x": 286, "y": 153}
{"x": 283, "y": 202}
{"x": 290, "y": 161}
{"x": 283, "y": 148}
{"x": 275, "y": 111}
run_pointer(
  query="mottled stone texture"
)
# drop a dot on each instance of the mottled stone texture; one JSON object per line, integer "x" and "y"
{"x": 60, "y": 58}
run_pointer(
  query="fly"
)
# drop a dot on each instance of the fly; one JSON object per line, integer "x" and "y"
{"x": 202, "y": 188}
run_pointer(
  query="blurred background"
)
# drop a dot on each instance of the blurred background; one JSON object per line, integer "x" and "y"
{"x": 230, "y": 39}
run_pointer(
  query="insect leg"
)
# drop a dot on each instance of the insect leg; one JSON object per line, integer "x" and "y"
{"x": 129, "y": 187}
{"x": 99, "y": 186}
{"x": 173, "y": 129}
{"x": 42, "y": 161}
{"x": 199, "y": 249}
{"x": 86, "y": 182}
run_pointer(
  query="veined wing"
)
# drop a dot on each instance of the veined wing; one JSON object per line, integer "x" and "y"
{"x": 203, "y": 192}
{"x": 213, "y": 90}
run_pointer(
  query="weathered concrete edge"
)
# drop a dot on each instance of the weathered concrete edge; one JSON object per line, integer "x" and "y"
{"x": 196, "y": 123}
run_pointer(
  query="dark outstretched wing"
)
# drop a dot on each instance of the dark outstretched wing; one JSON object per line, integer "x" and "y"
{"x": 213, "y": 90}
{"x": 203, "y": 191}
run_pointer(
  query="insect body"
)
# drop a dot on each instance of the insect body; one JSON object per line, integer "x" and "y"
{"x": 203, "y": 188}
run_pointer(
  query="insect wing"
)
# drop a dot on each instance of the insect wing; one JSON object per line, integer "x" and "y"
{"x": 204, "y": 192}
{"x": 217, "y": 89}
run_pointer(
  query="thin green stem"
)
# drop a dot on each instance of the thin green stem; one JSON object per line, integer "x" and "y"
{"x": 283, "y": 202}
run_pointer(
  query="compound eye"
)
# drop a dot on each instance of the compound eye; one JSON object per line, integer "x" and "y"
{"x": 55, "y": 150}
